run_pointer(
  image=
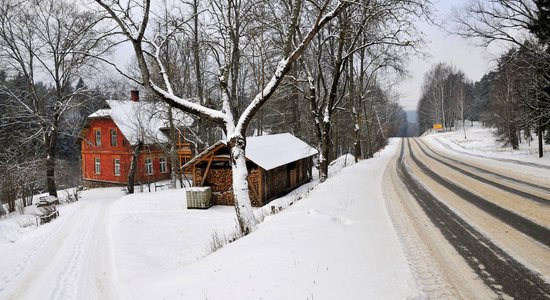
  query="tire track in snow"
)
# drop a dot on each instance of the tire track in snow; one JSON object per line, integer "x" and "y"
{"x": 66, "y": 285}
{"x": 503, "y": 187}
{"x": 427, "y": 271}
{"x": 520, "y": 223}
{"x": 74, "y": 261}
{"x": 501, "y": 272}
{"x": 33, "y": 252}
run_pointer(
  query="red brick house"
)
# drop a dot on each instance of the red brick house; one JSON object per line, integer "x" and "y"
{"x": 110, "y": 135}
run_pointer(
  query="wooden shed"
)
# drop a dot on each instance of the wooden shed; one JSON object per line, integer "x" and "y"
{"x": 276, "y": 165}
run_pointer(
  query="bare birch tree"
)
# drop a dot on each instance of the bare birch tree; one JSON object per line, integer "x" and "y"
{"x": 133, "y": 18}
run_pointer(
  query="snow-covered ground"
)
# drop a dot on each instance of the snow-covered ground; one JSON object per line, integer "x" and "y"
{"x": 335, "y": 241}
{"x": 482, "y": 141}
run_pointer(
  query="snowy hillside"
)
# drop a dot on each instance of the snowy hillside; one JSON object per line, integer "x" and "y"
{"x": 335, "y": 242}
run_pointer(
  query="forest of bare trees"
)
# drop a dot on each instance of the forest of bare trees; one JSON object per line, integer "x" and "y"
{"x": 522, "y": 77}
{"x": 321, "y": 70}
{"x": 256, "y": 67}
{"x": 514, "y": 97}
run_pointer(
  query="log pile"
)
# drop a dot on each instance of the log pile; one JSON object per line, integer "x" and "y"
{"x": 219, "y": 180}
{"x": 253, "y": 185}
{"x": 223, "y": 198}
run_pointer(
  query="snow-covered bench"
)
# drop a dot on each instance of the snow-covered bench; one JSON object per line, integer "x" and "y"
{"x": 46, "y": 210}
{"x": 47, "y": 200}
{"x": 47, "y": 217}
{"x": 160, "y": 185}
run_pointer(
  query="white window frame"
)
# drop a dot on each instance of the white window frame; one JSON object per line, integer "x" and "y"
{"x": 163, "y": 166}
{"x": 97, "y": 133}
{"x": 149, "y": 166}
{"x": 116, "y": 167}
{"x": 97, "y": 165}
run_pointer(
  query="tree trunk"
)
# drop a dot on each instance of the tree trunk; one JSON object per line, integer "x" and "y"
{"x": 324, "y": 158}
{"x": 540, "y": 130}
{"x": 357, "y": 151}
{"x": 513, "y": 137}
{"x": 368, "y": 125}
{"x": 243, "y": 208}
{"x": 175, "y": 168}
{"x": 2, "y": 211}
{"x": 133, "y": 168}
{"x": 50, "y": 163}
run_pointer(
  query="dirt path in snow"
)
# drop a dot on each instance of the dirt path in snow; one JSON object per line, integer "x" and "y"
{"x": 74, "y": 261}
{"x": 500, "y": 231}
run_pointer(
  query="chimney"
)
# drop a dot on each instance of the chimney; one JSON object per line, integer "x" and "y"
{"x": 134, "y": 95}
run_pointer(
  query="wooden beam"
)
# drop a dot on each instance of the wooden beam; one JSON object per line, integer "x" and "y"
{"x": 207, "y": 169}
{"x": 261, "y": 186}
{"x": 194, "y": 175}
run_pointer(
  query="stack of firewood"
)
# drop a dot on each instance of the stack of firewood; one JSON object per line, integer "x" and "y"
{"x": 220, "y": 180}
{"x": 253, "y": 184}
{"x": 224, "y": 198}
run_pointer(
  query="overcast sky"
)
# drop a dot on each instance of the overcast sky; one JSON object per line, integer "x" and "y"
{"x": 442, "y": 47}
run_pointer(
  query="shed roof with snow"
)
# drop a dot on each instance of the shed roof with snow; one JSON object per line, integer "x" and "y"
{"x": 272, "y": 151}
{"x": 142, "y": 120}
{"x": 268, "y": 151}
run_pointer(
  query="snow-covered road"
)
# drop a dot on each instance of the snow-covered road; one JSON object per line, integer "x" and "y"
{"x": 496, "y": 219}
{"x": 70, "y": 259}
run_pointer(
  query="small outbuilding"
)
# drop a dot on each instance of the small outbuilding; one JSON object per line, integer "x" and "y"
{"x": 276, "y": 165}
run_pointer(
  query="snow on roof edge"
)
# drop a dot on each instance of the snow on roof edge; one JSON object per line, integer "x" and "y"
{"x": 269, "y": 151}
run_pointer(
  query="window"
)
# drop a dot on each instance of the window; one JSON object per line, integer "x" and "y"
{"x": 148, "y": 166}
{"x": 162, "y": 163}
{"x": 117, "y": 167}
{"x": 97, "y": 166}
{"x": 113, "y": 137}
{"x": 97, "y": 137}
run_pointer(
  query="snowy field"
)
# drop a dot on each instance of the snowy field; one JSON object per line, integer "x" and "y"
{"x": 335, "y": 241}
{"x": 481, "y": 141}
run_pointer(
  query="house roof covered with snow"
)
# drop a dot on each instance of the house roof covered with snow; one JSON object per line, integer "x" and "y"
{"x": 269, "y": 151}
{"x": 141, "y": 120}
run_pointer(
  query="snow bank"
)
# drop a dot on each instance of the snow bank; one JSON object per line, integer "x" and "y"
{"x": 336, "y": 243}
{"x": 482, "y": 141}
